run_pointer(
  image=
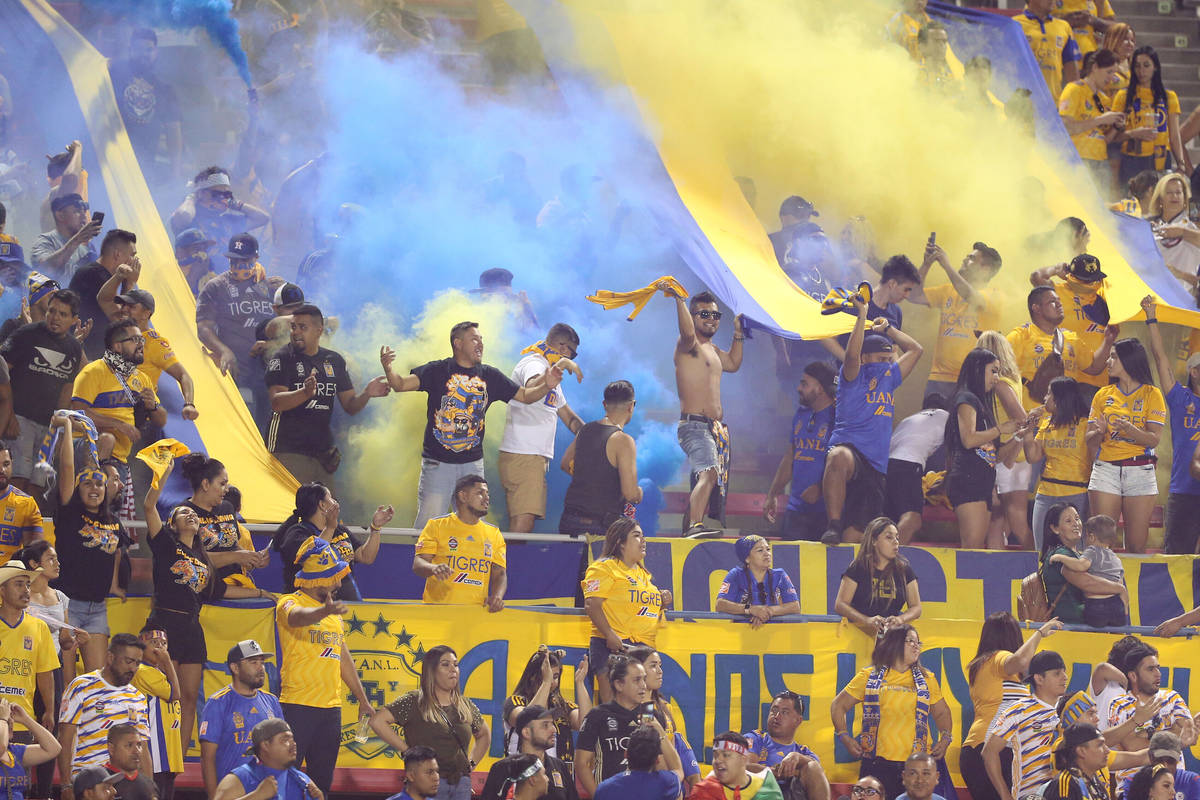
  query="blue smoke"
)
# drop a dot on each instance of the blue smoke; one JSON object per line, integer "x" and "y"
{"x": 214, "y": 16}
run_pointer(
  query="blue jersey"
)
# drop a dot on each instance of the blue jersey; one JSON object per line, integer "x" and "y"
{"x": 686, "y": 757}
{"x": 293, "y": 784}
{"x": 740, "y": 587}
{"x": 810, "y": 441}
{"x": 14, "y": 779}
{"x": 1183, "y": 408}
{"x": 865, "y": 407}
{"x": 770, "y": 752}
{"x": 227, "y": 721}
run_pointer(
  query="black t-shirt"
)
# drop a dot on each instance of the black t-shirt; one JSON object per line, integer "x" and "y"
{"x": 305, "y": 429}
{"x": 458, "y": 400}
{"x": 87, "y": 547}
{"x": 219, "y": 532}
{"x": 974, "y": 463}
{"x": 561, "y": 781}
{"x": 8, "y": 327}
{"x": 139, "y": 787}
{"x": 183, "y": 576}
{"x": 564, "y": 743}
{"x": 87, "y": 283}
{"x": 41, "y": 363}
{"x": 884, "y": 599}
{"x": 236, "y": 308}
{"x": 147, "y": 104}
{"x": 605, "y": 732}
{"x": 345, "y": 543}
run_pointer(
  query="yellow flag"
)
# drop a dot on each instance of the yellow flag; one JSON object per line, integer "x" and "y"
{"x": 159, "y": 456}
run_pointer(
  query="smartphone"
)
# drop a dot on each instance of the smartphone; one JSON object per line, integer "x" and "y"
{"x": 646, "y": 713}
{"x": 97, "y": 217}
{"x": 933, "y": 238}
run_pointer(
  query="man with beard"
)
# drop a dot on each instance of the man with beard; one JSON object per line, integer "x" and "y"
{"x": 1080, "y": 287}
{"x": 61, "y": 251}
{"x": 96, "y": 701}
{"x": 148, "y": 105}
{"x": 796, "y": 767}
{"x": 302, "y": 381}
{"x": 461, "y": 556}
{"x": 272, "y": 773}
{"x": 231, "y": 713}
{"x": 43, "y": 360}
{"x": 803, "y": 464}
{"x": 119, "y": 398}
{"x": 1043, "y": 338}
{"x": 536, "y": 733}
{"x": 1145, "y": 687}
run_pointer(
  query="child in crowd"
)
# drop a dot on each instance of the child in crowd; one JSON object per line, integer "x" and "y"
{"x": 1100, "y": 610}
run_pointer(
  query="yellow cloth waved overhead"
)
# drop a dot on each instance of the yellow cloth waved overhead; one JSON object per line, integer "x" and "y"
{"x": 638, "y": 297}
{"x": 159, "y": 456}
{"x": 224, "y": 425}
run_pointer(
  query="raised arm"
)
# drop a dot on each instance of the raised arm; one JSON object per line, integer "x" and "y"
{"x": 406, "y": 383}
{"x": 1166, "y": 375}
{"x": 106, "y": 297}
{"x": 1044, "y": 275}
{"x": 1100, "y": 357}
{"x": 732, "y": 361}
{"x": 353, "y": 403}
{"x": 853, "y": 360}
{"x": 1018, "y": 662}
{"x": 539, "y": 386}
{"x": 66, "y": 458}
{"x": 687, "y": 326}
{"x": 911, "y": 347}
{"x": 154, "y": 522}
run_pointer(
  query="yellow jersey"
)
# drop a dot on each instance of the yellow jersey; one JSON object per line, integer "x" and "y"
{"x": 1075, "y": 297}
{"x": 987, "y": 693}
{"x": 20, "y": 521}
{"x": 903, "y": 29}
{"x": 1085, "y": 35}
{"x": 632, "y": 603}
{"x": 159, "y": 356}
{"x": 957, "y": 326}
{"x": 1031, "y": 345}
{"x": 897, "y": 709}
{"x": 97, "y": 387}
{"x": 1053, "y": 44}
{"x": 166, "y": 747}
{"x": 1067, "y": 466}
{"x": 310, "y": 673}
{"x": 1143, "y": 406}
{"x": 470, "y": 550}
{"x": 1143, "y": 112}
{"x": 26, "y": 649}
{"x": 1078, "y": 102}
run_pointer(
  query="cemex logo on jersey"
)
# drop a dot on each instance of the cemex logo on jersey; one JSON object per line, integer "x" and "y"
{"x": 467, "y": 579}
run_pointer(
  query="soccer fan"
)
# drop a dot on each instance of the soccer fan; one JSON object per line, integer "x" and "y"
{"x": 797, "y": 768}
{"x": 1166, "y": 750}
{"x": 904, "y": 26}
{"x": 602, "y": 463}
{"x": 1153, "y": 782}
{"x": 601, "y": 746}
{"x": 273, "y": 772}
{"x": 647, "y": 744}
{"x": 862, "y": 431}
{"x": 1151, "y": 120}
{"x": 1084, "y": 109}
{"x": 898, "y": 279}
{"x": 1140, "y": 669}
{"x": 535, "y": 727}
{"x": 753, "y": 589}
{"x": 914, "y": 441}
{"x": 149, "y": 109}
{"x": 211, "y": 207}
{"x": 226, "y": 543}
{"x": 803, "y": 463}
{"x": 231, "y": 712}
{"x": 157, "y": 679}
{"x": 540, "y": 685}
{"x": 522, "y": 777}
{"x": 1028, "y": 727}
{"x": 92, "y": 783}
{"x": 22, "y": 521}
{"x": 1177, "y": 237}
{"x": 461, "y": 556}
{"x": 620, "y": 599}
{"x": 920, "y": 778}
{"x": 1082, "y": 762}
{"x": 459, "y": 389}
{"x": 126, "y": 760}
{"x": 25, "y": 640}
{"x": 652, "y": 661}
{"x": 900, "y": 698}
{"x": 193, "y": 253}
{"x": 421, "y": 777}
{"x": 1053, "y": 44}
{"x": 731, "y": 755}
{"x": 1061, "y": 443}
{"x": 1079, "y": 284}
{"x": 302, "y": 380}
{"x": 18, "y": 761}
{"x": 118, "y": 248}
{"x": 60, "y": 252}
{"x": 38, "y": 291}
{"x": 965, "y": 305}
{"x": 436, "y": 715}
{"x": 310, "y": 628}
{"x": 1045, "y": 350}
{"x": 96, "y": 701}
{"x": 527, "y": 446}
{"x": 879, "y": 583}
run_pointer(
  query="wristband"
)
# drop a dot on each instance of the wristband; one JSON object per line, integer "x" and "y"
{"x": 189, "y": 405}
{"x": 1152, "y": 322}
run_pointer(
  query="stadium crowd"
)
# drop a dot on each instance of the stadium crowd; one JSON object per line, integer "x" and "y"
{"x": 1042, "y": 438}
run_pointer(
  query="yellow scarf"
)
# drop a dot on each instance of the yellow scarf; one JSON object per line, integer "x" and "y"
{"x": 638, "y": 297}
{"x": 547, "y": 352}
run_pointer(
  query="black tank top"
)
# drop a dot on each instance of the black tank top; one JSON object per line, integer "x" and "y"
{"x": 595, "y": 488}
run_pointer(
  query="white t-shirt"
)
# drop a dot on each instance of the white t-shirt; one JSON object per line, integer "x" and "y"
{"x": 916, "y": 437}
{"x": 530, "y": 427}
{"x": 1111, "y": 693}
{"x": 1179, "y": 253}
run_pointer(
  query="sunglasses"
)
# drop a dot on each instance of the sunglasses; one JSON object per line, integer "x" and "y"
{"x": 861, "y": 791}
{"x": 709, "y": 314}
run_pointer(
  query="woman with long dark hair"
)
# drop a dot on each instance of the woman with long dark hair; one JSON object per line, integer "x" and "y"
{"x": 438, "y": 716}
{"x": 1126, "y": 424}
{"x": 972, "y": 434}
{"x": 895, "y": 729}
{"x": 651, "y": 659}
{"x": 879, "y": 583}
{"x": 617, "y": 622}
{"x": 228, "y": 545}
{"x": 540, "y": 685}
{"x": 1151, "y": 137}
{"x": 1153, "y": 782}
{"x": 1065, "y": 588}
{"x": 1061, "y": 442}
{"x": 995, "y": 678}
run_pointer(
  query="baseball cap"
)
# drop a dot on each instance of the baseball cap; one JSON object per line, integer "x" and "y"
{"x": 11, "y": 251}
{"x": 494, "y": 278}
{"x": 1077, "y": 734}
{"x": 66, "y": 201}
{"x": 876, "y": 343}
{"x": 266, "y": 729}
{"x": 797, "y": 206}
{"x": 1165, "y": 744}
{"x": 1044, "y": 661}
{"x": 191, "y": 236}
{"x": 140, "y": 296}
{"x": 1086, "y": 267}
{"x": 243, "y": 246}
{"x": 91, "y": 777}
{"x": 247, "y": 648}
{"x": 531, "y": 714}
{"x": 287, "y": 294}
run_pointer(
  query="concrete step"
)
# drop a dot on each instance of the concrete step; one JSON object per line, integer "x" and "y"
{"x": 1157, "y": 23}
{"x": 1165, "y": 43}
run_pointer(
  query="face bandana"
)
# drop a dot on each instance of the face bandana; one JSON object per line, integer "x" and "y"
{"x": 255, "y": 273}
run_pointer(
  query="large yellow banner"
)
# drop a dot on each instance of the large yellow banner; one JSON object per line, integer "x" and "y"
{"x": 719, "y": 673}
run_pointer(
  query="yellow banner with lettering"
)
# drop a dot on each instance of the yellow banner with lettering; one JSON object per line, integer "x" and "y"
{"x": 719, "y": 673}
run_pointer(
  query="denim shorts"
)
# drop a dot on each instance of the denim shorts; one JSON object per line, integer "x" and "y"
{"x": 1136, "y": 481}
{"x": 598, "y": 654}
{"x": 92, "y": 616}
{"x": 698, "y": 443}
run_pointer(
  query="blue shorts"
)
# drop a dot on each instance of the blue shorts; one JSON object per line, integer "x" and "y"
{"x": 697, "y": 441}
{"x": 89, "y": 615}
{"x": 598, "y": 654}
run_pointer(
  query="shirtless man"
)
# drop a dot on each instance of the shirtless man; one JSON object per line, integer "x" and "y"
{"x": 698, "y": 367}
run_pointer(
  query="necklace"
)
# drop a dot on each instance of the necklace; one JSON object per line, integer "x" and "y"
{"x": 610, "y": 422}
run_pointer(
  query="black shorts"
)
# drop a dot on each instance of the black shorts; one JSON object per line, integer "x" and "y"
{"x": 185, "y": 636}
{"x": 803, "y": 526}
{"x": 864, "y": 492}
{"x": 970, "y": 487}
{"x": 904, "y": 490}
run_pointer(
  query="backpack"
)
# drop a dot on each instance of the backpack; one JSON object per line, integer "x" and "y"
{"x": 1032, "y": 605}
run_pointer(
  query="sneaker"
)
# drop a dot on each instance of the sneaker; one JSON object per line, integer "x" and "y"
{"x": 701, "y": 531}
{"x": 831, "y": 537}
